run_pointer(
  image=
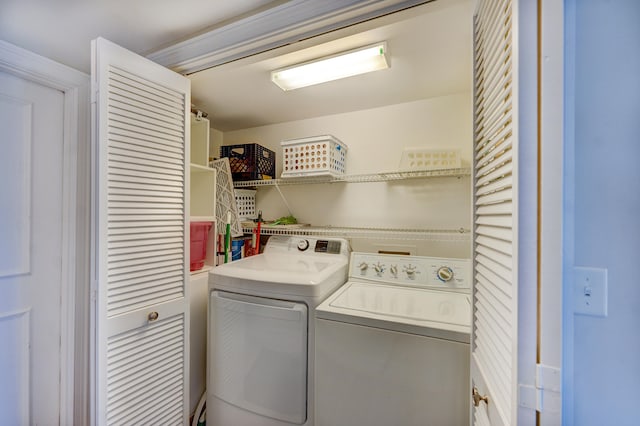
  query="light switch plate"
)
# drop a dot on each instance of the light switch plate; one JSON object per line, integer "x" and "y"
{"x": 590, "y": 291}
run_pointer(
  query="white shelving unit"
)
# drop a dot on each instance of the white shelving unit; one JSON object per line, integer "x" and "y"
{"x": 362, "y": 178}
{"x": 202, "y": 192}
{"x": 460, "y": 234}
{"x": 203, "y": 209}
{"x": 372, "y": 233}
{"x": 203, "y": 178}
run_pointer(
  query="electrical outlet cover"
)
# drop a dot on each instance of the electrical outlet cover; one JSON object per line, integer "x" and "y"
{"x": 590, "y": 291}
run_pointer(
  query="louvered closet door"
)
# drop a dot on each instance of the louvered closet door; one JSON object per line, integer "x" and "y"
{"x": 141, "y": 316}
{"x": 494, "y": 333}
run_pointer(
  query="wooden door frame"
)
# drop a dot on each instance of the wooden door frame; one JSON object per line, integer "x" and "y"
{"x": 281, "y": 25}
{"x": 74, "y": 86}
{"x": 552, "y": 192}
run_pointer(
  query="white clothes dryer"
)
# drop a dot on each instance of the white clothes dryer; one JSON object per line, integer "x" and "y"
{"x": 392, "y": 344}
{"x": 260, "y": 359}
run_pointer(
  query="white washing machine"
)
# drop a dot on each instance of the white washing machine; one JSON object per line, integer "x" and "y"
{"x": 392, "y": 344}
{"x": 260, "y": 360}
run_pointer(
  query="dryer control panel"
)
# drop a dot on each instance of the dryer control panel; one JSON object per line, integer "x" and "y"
{"x": 412, "y": 271}
{"x": 304, "y": 245}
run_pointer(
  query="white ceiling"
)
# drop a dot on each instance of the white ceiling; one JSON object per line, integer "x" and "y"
{"x": 63, "y": 29}
{"x": 430, "y": 54}
{"x": 429, "y": 46}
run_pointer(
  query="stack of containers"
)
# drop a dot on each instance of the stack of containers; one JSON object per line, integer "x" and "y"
{"x": 248, "y": 162}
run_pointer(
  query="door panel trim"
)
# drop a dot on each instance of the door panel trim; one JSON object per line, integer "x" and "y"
{"x": 19, "y": 321}
{"x": 18, "y": 234}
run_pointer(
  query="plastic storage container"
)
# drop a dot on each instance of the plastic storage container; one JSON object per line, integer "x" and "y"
{"x": 236, "y": 248}
{"x": 250, "y": 161}
{"x": 313, "y": 156}
{"x": 246, "y": 203}
{"x": 430, "y": 159}
{"x": 199, "y": 233}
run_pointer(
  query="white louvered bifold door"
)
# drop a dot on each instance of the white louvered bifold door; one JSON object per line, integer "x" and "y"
{"x": 494, "y": 333}
{"x": 140, "y": 347}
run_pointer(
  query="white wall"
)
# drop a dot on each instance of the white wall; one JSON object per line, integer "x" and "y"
{"x": 607, "y": 205}
{"x": 375, "y": 139}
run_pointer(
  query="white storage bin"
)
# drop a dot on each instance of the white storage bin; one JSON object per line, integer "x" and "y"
{"x": 313, "y": 156}
{"x": 246, "y": 203}
{"x": 429, "y": 159}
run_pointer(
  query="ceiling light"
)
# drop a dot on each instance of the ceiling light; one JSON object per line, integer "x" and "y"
{"x": 346, "y": 64}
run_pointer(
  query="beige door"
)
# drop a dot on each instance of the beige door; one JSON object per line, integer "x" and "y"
{"x": 31, "y": 158}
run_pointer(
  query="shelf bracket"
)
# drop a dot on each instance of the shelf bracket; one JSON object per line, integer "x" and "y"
{"x": 284, "y": 199}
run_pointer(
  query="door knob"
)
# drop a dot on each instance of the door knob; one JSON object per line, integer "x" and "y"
{"x": 477, "y": 397}
{"x": 152, "y": 316}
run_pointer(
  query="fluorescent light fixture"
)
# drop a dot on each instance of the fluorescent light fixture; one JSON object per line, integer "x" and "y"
{"x": 346, "y": 64}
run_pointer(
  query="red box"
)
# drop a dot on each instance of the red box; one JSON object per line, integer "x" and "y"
{"x": 199, "y": 235}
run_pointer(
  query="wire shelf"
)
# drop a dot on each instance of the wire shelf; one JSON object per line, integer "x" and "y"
{"x": 462, "y": 235}
{"x": 363, "y": 178}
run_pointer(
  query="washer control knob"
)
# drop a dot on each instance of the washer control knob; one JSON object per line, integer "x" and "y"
{"x": 363, "y": 266}
{"x": 445, "y": 274}
{"x": 410, "y": 270}
{"x": 394, "y": 270}
{"x": 303, "y": 245}
{"x": 379, "y": 268}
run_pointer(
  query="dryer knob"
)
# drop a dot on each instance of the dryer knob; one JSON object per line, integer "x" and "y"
{"x": 303, "y": 245}
{"x": 445, "y": 274}
{"x": 411, "y": 271}
{"x": 394, "y": 270}
{"x": 379, "y": 268}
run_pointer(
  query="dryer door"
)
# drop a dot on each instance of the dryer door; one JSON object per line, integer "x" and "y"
{"x": 258, "y": 355}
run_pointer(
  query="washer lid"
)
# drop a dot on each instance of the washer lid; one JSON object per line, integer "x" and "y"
{"x": 433, "y": 313}
{"x": 283, "y": 274}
